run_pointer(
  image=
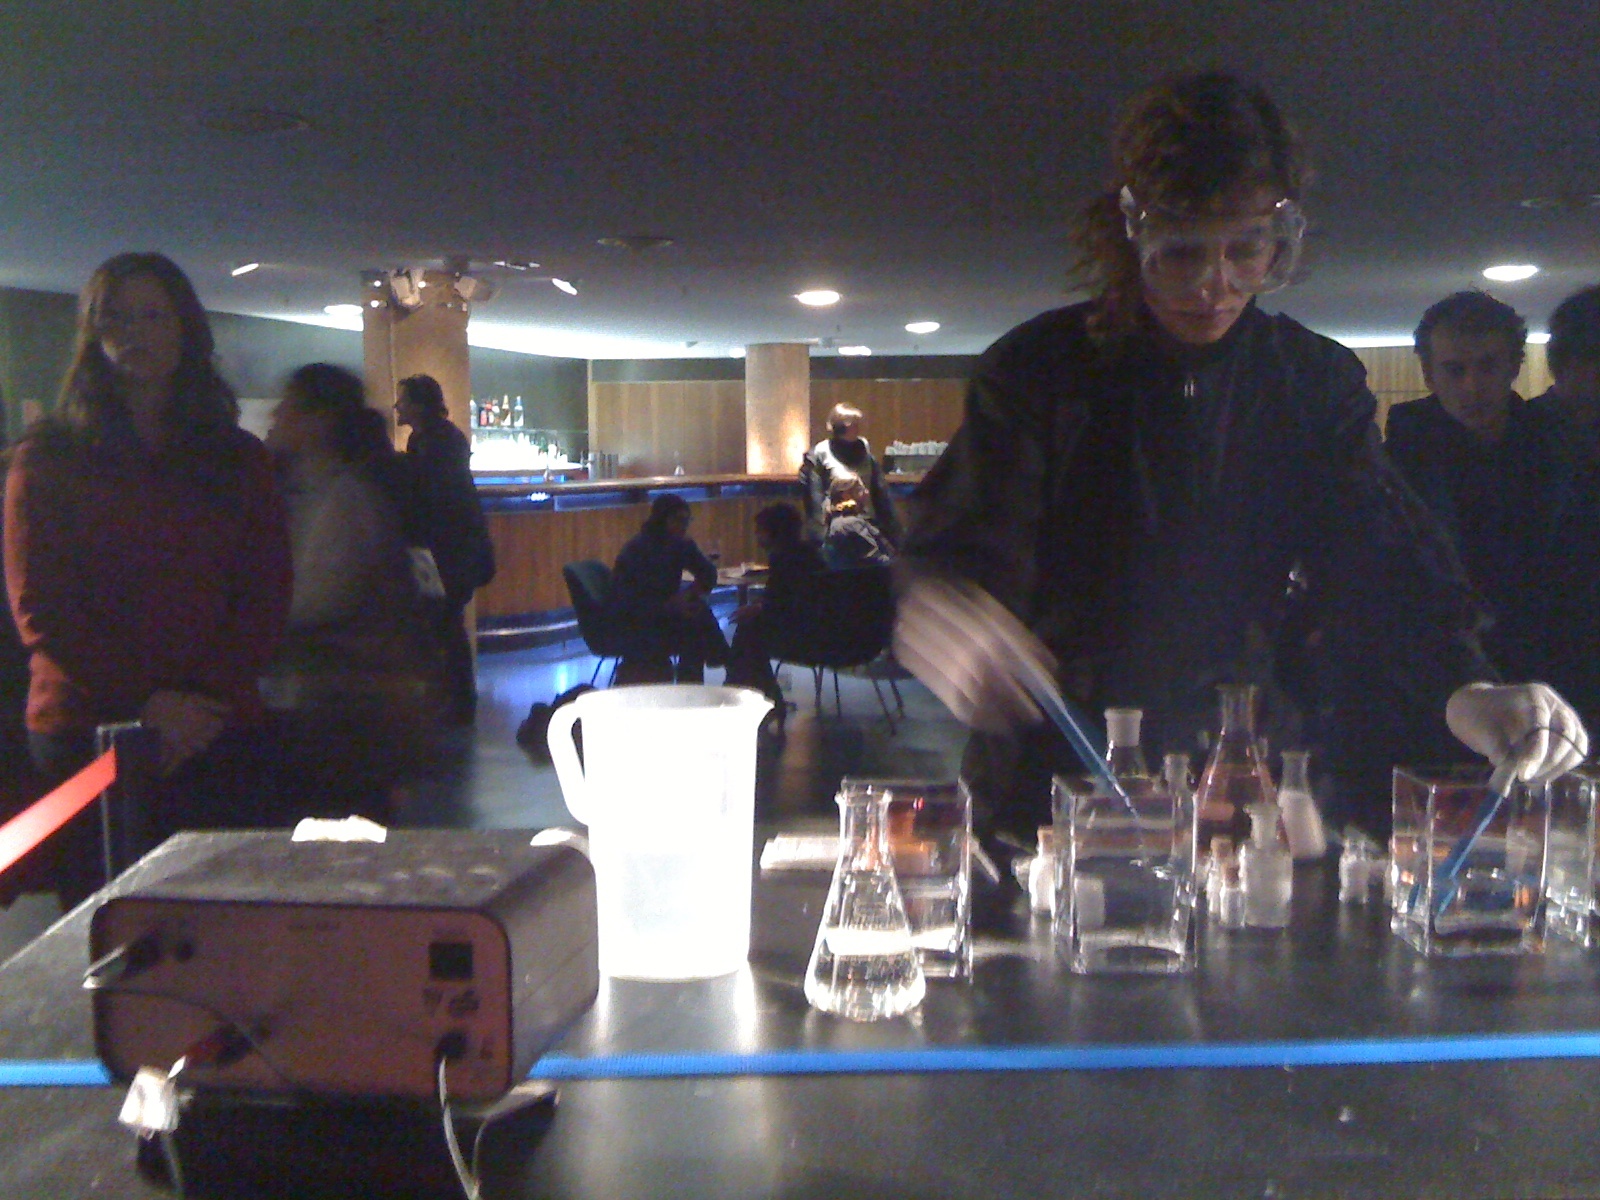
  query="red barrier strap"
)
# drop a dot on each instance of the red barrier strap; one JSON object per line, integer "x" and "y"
{"x": 43, "y": 817}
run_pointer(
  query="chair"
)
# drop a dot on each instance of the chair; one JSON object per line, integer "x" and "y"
{"x": 589, "y": 585}
{"x": 844, "y": 619}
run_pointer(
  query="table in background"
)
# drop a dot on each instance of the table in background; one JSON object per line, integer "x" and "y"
{"x": 1516, "y": 1128}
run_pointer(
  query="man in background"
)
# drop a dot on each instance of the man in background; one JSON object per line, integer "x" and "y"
{"x": 1481, "y": 459}
{"x": 1568, "y": 583}
{"x": 448, "y": 519}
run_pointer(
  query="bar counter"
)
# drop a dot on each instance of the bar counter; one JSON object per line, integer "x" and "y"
{"x": 538, "y": 526}
{"x": 1327, "y": 1061}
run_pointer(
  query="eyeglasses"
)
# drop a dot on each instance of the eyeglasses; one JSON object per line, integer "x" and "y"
{"x": 1255, "y": 254}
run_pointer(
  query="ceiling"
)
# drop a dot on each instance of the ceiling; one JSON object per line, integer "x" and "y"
{"x": 924, "y": 159}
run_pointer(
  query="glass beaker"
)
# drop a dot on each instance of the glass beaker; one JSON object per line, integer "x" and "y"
{"x": 1236, "y": 775}
{"x": 864, "y": 966}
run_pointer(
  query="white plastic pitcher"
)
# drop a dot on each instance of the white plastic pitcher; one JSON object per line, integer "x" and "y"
{"x": 667, "y": 789}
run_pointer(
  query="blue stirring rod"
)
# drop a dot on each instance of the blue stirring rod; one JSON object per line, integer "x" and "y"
{"x": 1499, "y": 786}
{"x": 1048, "y": 697}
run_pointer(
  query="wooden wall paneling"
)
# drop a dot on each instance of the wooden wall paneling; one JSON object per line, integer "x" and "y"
{"x": 1394, "y": 373}
{"x": 727, "y": 432}
{"x": 907, "y": 410}
{"x": 653, "y": 427}
{"x": 637, "y": 434}
{"x": 532, "y": 547}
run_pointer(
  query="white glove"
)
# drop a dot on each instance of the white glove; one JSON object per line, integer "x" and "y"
{"x": 971, "y": 652}
{"x": 1528, "y": 724}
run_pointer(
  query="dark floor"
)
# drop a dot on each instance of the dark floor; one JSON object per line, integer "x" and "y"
{"x": 493, "y": 783}
{"x": 484, "y": 780}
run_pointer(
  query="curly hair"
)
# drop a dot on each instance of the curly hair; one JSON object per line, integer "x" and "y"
{"x": 1575, "y": 330}
{"x": 1190, "y": 146}
{"x": 1476, "y": 314}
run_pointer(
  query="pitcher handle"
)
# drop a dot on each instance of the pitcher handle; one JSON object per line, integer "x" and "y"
{"x": 564, "y": 757}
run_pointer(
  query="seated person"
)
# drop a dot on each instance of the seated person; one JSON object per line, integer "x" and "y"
{"x": 662, "y": 618}
{"x": 347, "y": 686}
{"x": 791, "y": 559}
{"x": 844, "y": 454}
{"x": 852, "y": 539}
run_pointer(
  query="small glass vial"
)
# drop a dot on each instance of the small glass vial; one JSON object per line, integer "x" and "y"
{"x": 1224, "y": 886}
{"x": 1358, "y": 864}
{"x": 1267, "y": 870}
{"x": 1042, "y": 873}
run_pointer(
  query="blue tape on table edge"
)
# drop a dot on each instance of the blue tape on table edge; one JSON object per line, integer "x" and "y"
{"x": 1111, "y": 1057}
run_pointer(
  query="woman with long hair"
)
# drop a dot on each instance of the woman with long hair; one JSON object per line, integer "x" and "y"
{"x": 1138, "y": 476}
{"x": 146, "y": 556}
{"x": 347, "y": 687}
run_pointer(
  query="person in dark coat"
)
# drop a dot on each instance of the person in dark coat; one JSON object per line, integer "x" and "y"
{"x": 448, "y": 519}
{"x": 844, "y": 454}
{"x": 1566, "y": 580}
{"x": 1483, "y": 460}
{"x": 1137, "y": 476}
{"x": 791, "y": 562}
{"x": 665, "y": 618}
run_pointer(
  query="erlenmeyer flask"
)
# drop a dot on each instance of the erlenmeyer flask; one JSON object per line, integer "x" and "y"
{"x": 863, "y": 965}
{"x": 1236, "y": 776}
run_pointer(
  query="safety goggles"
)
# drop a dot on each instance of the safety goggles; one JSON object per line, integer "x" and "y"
{"x": 1254, "y": 254}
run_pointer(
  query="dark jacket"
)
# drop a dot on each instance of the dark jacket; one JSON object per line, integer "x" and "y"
{"x": 854, "y": 541}
{"x": 790, "y": 569}
{"x": 1141, "y": 507}
{"x": 1496, "y": 501}
{"x": 1565, "y": 597}
{"x": 649, "y": 572}
{"x": 448, "y": 517}
{"x": 835, "y": 458}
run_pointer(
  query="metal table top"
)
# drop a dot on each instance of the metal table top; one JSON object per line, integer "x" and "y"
{"x": 1026, "y": 1081}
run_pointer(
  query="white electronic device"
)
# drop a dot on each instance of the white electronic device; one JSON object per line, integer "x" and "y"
{"x": 348, "y": 968}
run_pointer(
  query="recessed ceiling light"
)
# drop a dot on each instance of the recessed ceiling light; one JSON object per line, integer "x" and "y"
{"x": 237, "y": 120}
{"x": 923, "y": 327}
{"x": 564, "y": 286}
{"x": 856, "y": 351}
{"x": 637, "y": 242}
{"x": 342, "y": 310}
{"x": 244, "y": 269}
{"x": 818, "y": 298}
{"x": 516, "y": 264}
{"x": 1510, "y": 272}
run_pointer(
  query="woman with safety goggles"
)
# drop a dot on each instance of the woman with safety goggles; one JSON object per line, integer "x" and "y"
{"x": 1164, "y": 488}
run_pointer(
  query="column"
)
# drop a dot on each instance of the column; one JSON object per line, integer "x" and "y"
{"x": 415, "y": 323}
{"x": 777, "y": 407}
